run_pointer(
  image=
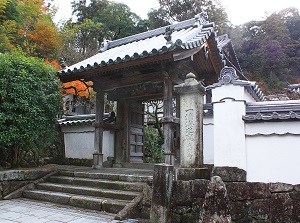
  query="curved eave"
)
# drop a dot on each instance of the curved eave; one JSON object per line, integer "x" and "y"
{"x": 215, "y": 54}
{"x": 91, "y": 71}
{"x": 229, "y": 55}
{"x": 144, "y": 49}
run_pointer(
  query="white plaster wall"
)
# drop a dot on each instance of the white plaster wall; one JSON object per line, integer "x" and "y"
{"x": 272, "y": 128}
{"x": 273, "y": 152}
{"x": 229, "y": 129}
{"x": 108, "y": 144}
{"x": 79, "y": 142}
{"x": 248, "y": 97}
{"x": 268, "y": 151}
{"x": 229, "y": 134}
{"x": 208, "y": 140}
{"x": 228, "y": 91}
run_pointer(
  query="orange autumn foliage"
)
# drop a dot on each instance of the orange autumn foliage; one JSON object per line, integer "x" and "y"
{"x": 53, "y": 63}
{"x": 83, "y": 89}
{"x": 45, "y": 36}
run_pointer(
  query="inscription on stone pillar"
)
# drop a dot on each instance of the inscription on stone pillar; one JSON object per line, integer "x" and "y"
{"x": 191, "y": 111}
{"x": 189, "y": 119}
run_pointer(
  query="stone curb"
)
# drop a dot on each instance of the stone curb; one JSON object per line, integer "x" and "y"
{"x": 18, "y": 193}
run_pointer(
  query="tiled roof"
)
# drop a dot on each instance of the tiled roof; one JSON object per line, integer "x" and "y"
{"x": 184, "y": 35}
{"x": 228, "y": 76}
{"x": 229, "y": 55}
{"x": 85, "y": 119}
{"x": 272, "y": 111}
{"x": 294, "y": 88}
{"x": 77, "y": 120}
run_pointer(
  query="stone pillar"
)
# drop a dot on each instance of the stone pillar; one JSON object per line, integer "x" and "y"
{"x": 216, "y": 205}
{"x": 168, "y": 121}
{"x": 98, "y": 154}
{"x": 191, "y": 121}
{"x": 162, "y": 193}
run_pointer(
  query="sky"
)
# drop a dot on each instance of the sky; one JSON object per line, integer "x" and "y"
{"x": 239, "y": 11}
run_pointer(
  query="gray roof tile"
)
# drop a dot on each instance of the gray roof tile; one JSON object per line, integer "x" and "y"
{"x": 186, "y": 35}
{"x": 294, "y": 88}
{"x": 228, "y": 76}
{"x": 272, "y": 111}
{"x": 87, "y": 119}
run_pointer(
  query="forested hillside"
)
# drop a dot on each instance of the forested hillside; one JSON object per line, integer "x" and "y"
{"x": 269, "y": 50}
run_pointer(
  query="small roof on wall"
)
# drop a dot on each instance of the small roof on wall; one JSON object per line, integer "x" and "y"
{"x": 228, "y": 75}
{"x": 193, "y": 38}
{"x": 294, "y": 88}
{"x": 84, "y": 120}
{"x": 272, "y": 111}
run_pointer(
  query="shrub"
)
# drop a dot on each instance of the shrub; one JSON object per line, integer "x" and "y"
{"x": 29, "y": 104}
{"x": 154, "y": 151}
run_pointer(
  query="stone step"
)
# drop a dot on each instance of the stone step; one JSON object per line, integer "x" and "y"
{"x": 90, "y": 191}
{"x": 89, "y": 202}
{"x": 141, "y": 176}
{"x": 98, "y": 183}
{"x": 144, "y": 166}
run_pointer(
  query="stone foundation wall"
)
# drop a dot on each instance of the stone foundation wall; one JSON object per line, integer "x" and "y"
{"x": 12, "y": 180}
{"x": 247, "y": 201}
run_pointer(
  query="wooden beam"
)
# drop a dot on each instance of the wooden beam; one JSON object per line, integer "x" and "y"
{"x": 130, "y": 81}
{"x": 136, "y": 92}
{"x": 113, "y": 127}
{"x": 214, "y": 54}
{"x": 187, "y": 53}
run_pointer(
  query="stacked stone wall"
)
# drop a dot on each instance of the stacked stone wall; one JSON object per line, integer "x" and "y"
{"x": 247, "y": 201}
{"x": 12, "y": 180}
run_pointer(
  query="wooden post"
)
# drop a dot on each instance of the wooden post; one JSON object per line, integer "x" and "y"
{"x": 177, "y": 129}
{"x": 168, "y": 120}
{"x": 120, "y": 138}
{"x": 98, "y": 154}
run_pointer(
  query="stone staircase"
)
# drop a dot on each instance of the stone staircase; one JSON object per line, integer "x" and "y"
{"x": 116, "y": 192}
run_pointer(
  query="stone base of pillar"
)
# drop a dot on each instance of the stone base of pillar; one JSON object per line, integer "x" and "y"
{"x": 97, "y": 160}
{"x": 192, "y": 173}
{"x": 162, "y": 193}
{"x": 170, "y": 158}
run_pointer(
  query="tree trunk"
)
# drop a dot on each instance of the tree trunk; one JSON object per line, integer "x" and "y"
{"x": 14, "y": 157}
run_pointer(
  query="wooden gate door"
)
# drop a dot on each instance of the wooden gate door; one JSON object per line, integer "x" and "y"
{"x": 136, "y": 133}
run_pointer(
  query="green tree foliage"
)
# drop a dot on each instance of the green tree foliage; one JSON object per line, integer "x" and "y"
{"x": 8, "y": 10}
{"x": 97, "y": 21}
{"x": 116, "y": 18}
{"x": 27, "y": 25}
{"x": 154, "y": 152}
{"x": 269, "y": 50}
{"x": 178, "y": 10}
{"x": 9, "y": 18}
{"x": 80, "y": 40}
{"x": 29, "y": 104}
